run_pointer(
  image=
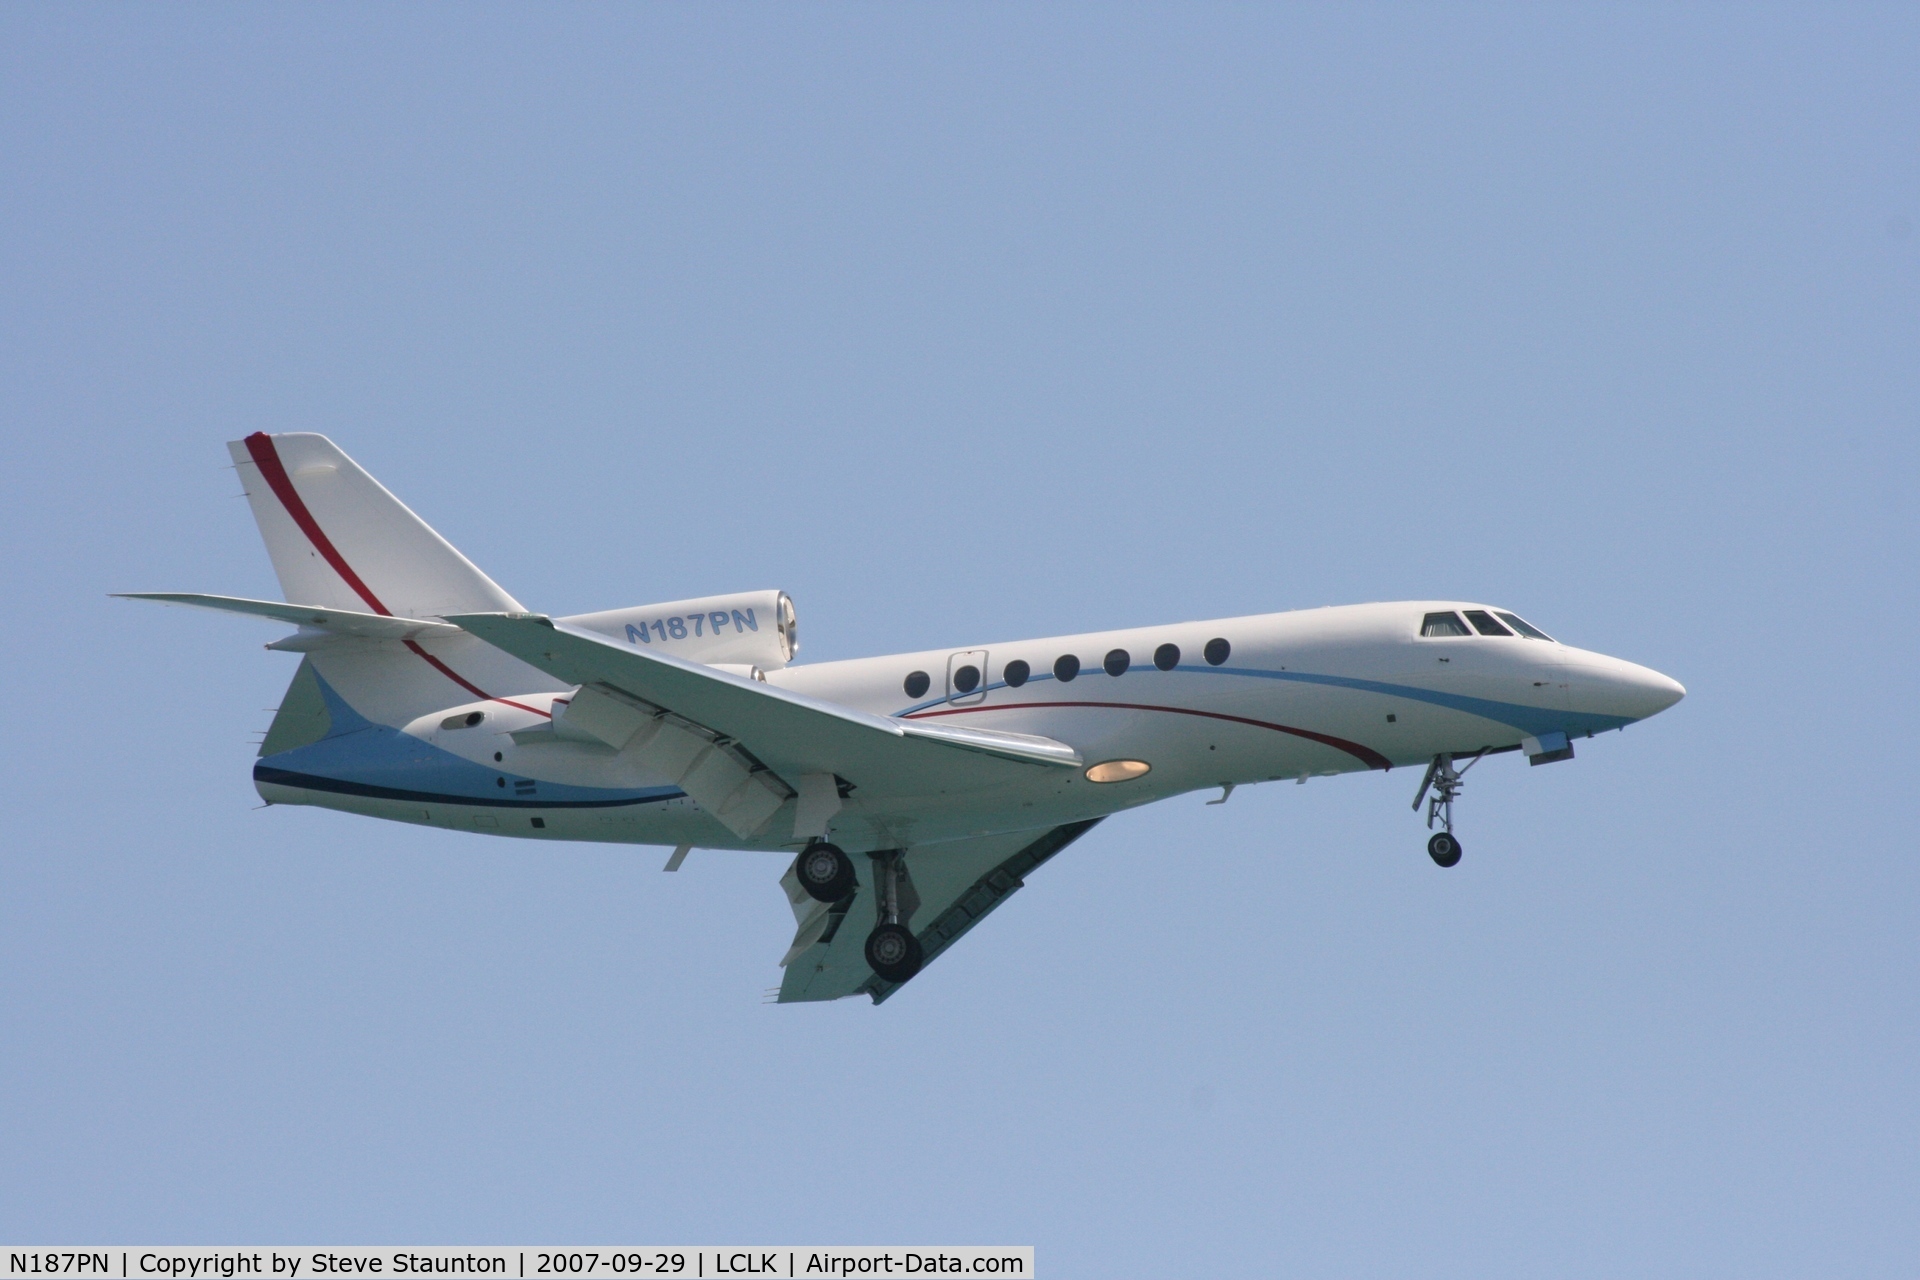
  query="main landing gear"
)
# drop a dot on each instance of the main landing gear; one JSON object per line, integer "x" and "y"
{"x": 892, "y": 950}
{"x": 1444, "y": 781}
{"x": 824, "y": 871}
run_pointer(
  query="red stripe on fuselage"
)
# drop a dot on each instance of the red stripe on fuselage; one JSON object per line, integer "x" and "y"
{"x": 267, "y": 458}
{"x": 1366, "y": 755}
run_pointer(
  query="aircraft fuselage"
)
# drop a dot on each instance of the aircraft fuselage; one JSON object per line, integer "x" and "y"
{"x": 1287, "y": 696}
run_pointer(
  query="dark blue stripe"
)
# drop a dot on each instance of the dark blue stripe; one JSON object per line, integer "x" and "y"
{"x": 314, "y": 782}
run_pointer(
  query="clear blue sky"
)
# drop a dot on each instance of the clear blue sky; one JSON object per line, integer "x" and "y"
{"x": 965, "y": 324}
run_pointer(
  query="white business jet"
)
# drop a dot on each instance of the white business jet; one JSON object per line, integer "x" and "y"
{"x": 913, "y": 793}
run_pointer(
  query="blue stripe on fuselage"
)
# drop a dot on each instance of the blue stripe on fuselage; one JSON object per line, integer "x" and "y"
{"x": 1530, "y": 720}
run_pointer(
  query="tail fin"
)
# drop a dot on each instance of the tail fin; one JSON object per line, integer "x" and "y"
{"x": 340, "y": 540}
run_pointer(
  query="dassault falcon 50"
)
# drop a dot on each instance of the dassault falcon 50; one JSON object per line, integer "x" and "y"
{"x": 908, "y": 795}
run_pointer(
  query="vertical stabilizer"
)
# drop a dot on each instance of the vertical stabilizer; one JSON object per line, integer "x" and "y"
{"x": 340, "y": 540}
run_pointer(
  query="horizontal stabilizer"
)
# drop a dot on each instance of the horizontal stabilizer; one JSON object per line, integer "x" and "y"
{"x": 340, "y": 622}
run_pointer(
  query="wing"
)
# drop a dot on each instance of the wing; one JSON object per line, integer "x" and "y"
{"x": 674, "y": 712}
{"x": 371, "y": 626}
{"x": 957, "y": 883}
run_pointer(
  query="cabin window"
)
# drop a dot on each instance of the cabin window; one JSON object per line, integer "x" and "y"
{"x": 1483, "y": 623}
{"x": 1444, "y": 624}
{"x": 1217, "y": 651}
{"x": 1117, "y": 662}
{"x": 1065, "y": 667}
{"x": 1016, "y": 673}
{"x": 966, "y": 679}
{"x": 1167, "y": 657}
{"x": 917, "y": 684}
{"x": 1524, "y": 627}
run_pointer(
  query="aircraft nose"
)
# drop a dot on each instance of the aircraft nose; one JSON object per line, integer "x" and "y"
{"x": 1659, "y": 692}
{"x": 1636, "y": 691}
{"x": 1607, "y": 686}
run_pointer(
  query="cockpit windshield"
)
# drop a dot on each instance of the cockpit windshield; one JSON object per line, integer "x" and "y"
{"x": 1486, "y": 622}
{"x": 1483, "y": 623}
{"x": 1524, "y": 627}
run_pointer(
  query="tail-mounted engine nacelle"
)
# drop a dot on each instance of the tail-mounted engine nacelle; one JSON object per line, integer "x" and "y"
{"x": 755, "y": 628}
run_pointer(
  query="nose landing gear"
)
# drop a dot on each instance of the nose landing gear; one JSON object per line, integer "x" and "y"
{"x": 1444, "y": 781}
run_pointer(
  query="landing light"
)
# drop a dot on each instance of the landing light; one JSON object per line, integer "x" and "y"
{"x": 1117, "y": 770}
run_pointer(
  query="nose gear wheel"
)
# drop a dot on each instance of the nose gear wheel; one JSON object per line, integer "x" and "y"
{"x": 1440, "y": 788}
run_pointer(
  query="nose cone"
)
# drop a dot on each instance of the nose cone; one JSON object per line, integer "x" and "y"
{"x": 1613, "y": 687}
{"x": 1657, "y": 692}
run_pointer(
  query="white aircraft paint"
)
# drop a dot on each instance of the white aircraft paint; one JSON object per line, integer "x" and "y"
{"x": 429, "y": 695}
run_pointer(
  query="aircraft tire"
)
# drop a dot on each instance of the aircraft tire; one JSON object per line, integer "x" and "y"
{"x": 893, "y": 952}
{"x": 1444, "y": 849}
{"x": 824, "y": 871}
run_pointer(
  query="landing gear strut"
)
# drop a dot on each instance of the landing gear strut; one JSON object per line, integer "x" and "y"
{"x": 1444, "y": 781}
{"x": 892, "y": 950}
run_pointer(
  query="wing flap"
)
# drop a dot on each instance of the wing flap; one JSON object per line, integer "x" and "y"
{"x": 733, "y": 788}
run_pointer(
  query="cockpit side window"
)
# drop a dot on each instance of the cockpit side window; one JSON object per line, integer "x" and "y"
{"x": 1444, "y": 624}
{"x": 1483, "y": 623}
{"x": 1524, "y": 627}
